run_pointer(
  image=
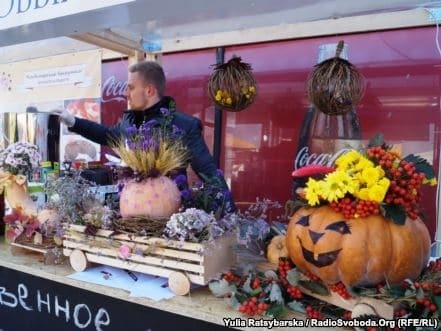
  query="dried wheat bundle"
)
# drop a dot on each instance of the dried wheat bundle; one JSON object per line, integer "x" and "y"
{"x": 140, "y": 226}
{"x": 335, "y": 86}
{"x": 232, "y": 85}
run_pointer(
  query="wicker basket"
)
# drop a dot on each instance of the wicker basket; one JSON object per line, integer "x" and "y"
{"x": 335, "y": 86}
{"x": 232, "y": 86}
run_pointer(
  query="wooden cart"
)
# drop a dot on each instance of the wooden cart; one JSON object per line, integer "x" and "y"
{"x": 181, "y": 262}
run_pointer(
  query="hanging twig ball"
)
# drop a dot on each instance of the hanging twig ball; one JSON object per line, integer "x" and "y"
{"x": 335, "y": 86}
{"x": 232, "y": 86}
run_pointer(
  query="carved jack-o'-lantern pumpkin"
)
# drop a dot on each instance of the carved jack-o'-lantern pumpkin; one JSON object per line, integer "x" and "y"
{"x": 363, "y": 251}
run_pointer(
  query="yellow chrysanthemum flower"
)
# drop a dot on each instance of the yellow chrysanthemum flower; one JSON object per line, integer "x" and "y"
{"x": 376, "y": 193}
{"x": 346, "y": 160}
{"x": 312, "y": 192}
{"x": 334, "y": 187}
{"x": 371, "y": 175}
{"x": 431, "y": 182}
{"x": 363, "y": 163}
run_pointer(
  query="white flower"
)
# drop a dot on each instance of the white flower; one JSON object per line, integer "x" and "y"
{"x": 20, "y": 158}
{"x": 189, "y": 225}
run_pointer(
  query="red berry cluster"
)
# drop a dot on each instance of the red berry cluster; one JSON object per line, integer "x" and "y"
{"x": 427, "y": 303}
{"x": 435, "y": 266}
{"x": 294, "y": 292}
{"x": 256, "y": 283}
{"x": 405, "y": 182}
{"x": 340, "y": 289}
{"x": 433, "y": 287}
{"x": 253, "y": 307}
{"x": 347, "y": 315}
{"x": 400, "y": 313}
{"x": 284, "y": 266}
{"x": 231, "y": 278}
{"x": 351, "y": 208}
{"x": 314, "y": 313}
{"x": 311, "y": 276}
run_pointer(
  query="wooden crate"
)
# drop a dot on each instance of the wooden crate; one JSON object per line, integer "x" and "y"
{"x": 180, "y": 262}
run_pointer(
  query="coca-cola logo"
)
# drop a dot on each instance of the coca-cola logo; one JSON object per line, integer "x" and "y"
{"x": 304, "y": 158}
{"x": 113, "y": 90}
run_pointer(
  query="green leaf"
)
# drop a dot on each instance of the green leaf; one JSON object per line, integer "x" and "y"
{"x": 246, "y": 287}
{"x": 396, "y": 213}
{"x": 314, "y": 287}
{"x": 278, "y": 228}
{"x": 276, "y": 294}
{"x": 376, "y": 141}
{"x": 421, "y": 165}
{"x": 437, "y": 300}
{"x": 420, "y": 293}
{"x": 293, "y": 276}
{"x": 220, "y": 288}
{"x": 297, "y": 306}
{"x": 276, "y": 310}
{"x": 256, "y": 291}
{"x": 271, "y": 274}
{"x": 396, "y": 290}
{"x": 234, "y": 302}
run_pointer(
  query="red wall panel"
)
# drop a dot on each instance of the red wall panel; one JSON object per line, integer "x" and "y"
{"x": 402, "y": 100}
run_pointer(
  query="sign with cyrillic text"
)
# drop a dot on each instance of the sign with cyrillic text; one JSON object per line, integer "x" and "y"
{"x": 20, "y": 12}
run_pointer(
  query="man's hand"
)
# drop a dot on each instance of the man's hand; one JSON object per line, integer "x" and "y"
{"x": 65, "y": 117}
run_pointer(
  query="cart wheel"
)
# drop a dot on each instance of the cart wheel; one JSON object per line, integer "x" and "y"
{"x": 78, "y": 260}
{"x": 179, "y": 283}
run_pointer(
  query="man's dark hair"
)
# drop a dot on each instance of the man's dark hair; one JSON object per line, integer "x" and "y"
{"x": 152, "y": 73}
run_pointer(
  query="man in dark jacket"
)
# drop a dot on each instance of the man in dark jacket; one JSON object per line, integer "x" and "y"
{"x": 145, "y": 95}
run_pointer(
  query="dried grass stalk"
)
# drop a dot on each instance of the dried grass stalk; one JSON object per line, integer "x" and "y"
{"x": 335, "y": 86}
{"x": 232, "y": 85}
{"x": 169, "y": 155}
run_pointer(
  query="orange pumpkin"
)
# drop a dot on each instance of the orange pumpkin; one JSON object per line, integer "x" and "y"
{"x": 363, "y": 251}
{"x": 153, "y": 197}
{"x": 276, "y": 249}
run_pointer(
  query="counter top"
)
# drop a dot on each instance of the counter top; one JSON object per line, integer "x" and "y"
{"x": 199, "y": 304}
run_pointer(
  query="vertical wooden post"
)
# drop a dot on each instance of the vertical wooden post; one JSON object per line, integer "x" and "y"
{"x": 220, "y": 55}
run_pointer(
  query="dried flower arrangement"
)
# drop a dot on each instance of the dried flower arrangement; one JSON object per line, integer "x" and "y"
{"x": 154, "y": 149}
{"x": 20, "y": 158}
{"x": 335, "y": 86}
{"x": 71, "y": 197}
{"x": 232, "y": 85}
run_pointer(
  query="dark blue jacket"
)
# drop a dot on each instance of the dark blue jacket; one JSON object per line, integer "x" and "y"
{"x": 201, "y": 160}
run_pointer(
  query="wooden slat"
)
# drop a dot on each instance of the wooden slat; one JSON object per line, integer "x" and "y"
{"x": 173, "y": 264}
{"x": 35, "y": 249}
{"x": 124, "y": 264}
{"x": 382, "y": 309}
{"x": 152, "y": 249}
{"x": 144, "y": 240}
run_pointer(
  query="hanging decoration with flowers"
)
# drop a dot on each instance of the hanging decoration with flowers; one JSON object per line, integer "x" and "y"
{"x": 232, "y": 85}
{"x": 364, "y": 227}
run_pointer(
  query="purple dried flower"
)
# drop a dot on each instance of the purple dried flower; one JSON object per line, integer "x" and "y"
{"x": 181, "y": 180}
{"x": 186, "y": 194}
{"x": 164, "y": 111}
